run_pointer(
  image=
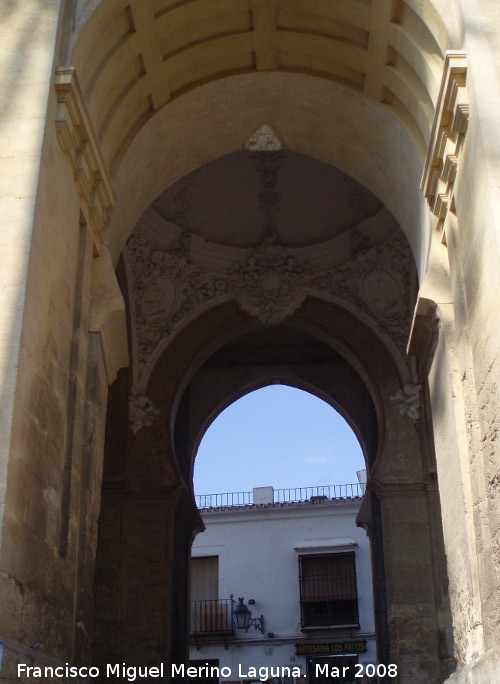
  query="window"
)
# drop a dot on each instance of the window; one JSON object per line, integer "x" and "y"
{"x": 328, "y": 595}
{"x": 205, "y": 578}
{"x": 209, "y": 614}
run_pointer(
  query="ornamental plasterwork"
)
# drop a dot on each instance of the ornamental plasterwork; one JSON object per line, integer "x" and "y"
{"x": 173, "y": 278}
{"x": 247, "y": 195}
{"x": 269, "y": 282}
{"x": 407, "y": 401}
{"x": 184, "y": 199}
{"x": 377, "y": 281}
{"x": 166, "y": 289}
{"x": 141, "y": 412}
{"x": 268, "y": 167}
{"x": 263, "y": 139}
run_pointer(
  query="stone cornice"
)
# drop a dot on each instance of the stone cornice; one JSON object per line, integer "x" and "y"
{"x": 78, "y": 139}
{"x": 450, "y": 125}
{"x": 401, "y": 489}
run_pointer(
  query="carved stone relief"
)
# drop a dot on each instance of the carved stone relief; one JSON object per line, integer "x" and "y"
{"x": 141, "y": 412}
{"x": 407, "y": 401}
{"x": 268, "y": 282}
{"x": 184, "y": 198}
{"x": 382, "y": 293}
{"x": 268, "y": 165}
{"x": 159, "y": 300}
{"x": 172, "y": 278}
{"x": 374, "y": 280}
{"x": 185, "y": 285}
{"x": 263, "y": 139}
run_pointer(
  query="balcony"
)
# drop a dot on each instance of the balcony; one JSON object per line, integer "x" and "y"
{"x": 319, "y": 494}
{"x": 213, "y": 618}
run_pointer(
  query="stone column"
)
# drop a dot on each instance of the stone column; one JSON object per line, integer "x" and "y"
{"x": 138, "y": 530}
{"x": 409, "y": 573}
{"x": 134, "y": 579}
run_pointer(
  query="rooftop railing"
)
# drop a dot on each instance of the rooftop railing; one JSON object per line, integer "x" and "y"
{"x": 292, "y": 495}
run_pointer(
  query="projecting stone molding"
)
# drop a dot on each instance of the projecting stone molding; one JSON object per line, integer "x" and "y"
{"x": 78, "y": 139}
{"x": 448, "y": 131}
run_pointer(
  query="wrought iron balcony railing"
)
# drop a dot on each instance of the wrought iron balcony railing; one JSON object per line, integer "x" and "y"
{"x": 212, "y": 617}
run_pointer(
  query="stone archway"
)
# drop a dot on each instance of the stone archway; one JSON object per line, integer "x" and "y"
{"x": 402, "y": 480}
{"x": 284, "y": 291}
{"x": 146, "y": 92}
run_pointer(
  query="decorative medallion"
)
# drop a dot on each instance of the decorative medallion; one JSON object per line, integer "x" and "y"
{"x": 382, "y": 294}
{"x": 159, "y": 300}
{"x": 388, "y": 265}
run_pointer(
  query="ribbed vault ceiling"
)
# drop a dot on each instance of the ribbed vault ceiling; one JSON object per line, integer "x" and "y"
{"x": 133, "y": 57}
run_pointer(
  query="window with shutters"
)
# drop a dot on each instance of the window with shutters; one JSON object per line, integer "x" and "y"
{"x": 205, "y": 578}
{"x": 328, "y": 594}
{"x": 209, "y": 614}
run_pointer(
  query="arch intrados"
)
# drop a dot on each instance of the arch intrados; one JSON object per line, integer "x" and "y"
{"x": 134, "y": 58}
{"x": 238, "y": 325}
{"x": 225, "y": 324}
{"x": 295, "y": 383}
{"x": 366, "y": 142}
{"x": 341, "y": 346}
{"x": 147, "y": 149}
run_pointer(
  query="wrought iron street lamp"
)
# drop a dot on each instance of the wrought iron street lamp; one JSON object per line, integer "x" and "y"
{"x": 243, "y": 617}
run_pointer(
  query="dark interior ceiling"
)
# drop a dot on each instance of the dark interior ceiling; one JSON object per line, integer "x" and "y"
{"x": 240, "y": 198}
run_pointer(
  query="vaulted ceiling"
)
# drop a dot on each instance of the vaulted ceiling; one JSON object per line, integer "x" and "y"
{"x": 135, "y": 56}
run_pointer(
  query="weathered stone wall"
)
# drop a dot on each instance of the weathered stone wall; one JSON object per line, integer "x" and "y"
{"x": 55, "y": 385}
{"x": 464, "y": 373}
{"x": 28, "y": 41}
{"x": 37, "y": 554}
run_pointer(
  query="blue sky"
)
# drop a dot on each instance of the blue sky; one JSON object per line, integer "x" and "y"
{"x": 277, "y": 436}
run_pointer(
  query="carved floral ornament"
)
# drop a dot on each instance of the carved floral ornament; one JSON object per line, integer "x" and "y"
{"x": 141, "y": 412}
{"x": 407, "y": 401}
{"x": 263, "y": 139}
{"x": 270, "y": 281}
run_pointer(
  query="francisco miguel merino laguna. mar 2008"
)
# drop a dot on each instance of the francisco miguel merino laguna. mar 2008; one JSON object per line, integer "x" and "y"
{"x": 132, "y": 673}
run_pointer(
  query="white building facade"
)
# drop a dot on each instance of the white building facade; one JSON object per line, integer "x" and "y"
{"x": 303, "y": 569}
